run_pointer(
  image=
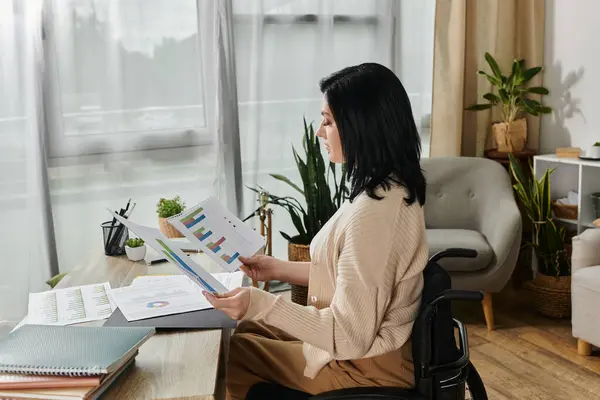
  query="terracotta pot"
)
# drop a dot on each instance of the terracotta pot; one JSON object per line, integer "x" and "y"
{"x": 510, "y": 137}
{"x": 299, "y": 252}
{"x": 167, "y": 229}
{"x": 551, "y": 296}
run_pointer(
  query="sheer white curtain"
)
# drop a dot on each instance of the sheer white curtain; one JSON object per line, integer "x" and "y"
{"x": 131, "y": 100}
{"x": 141, "y": 100}
{"x": 283, "y": 48}
{"x": 26, "y": 236}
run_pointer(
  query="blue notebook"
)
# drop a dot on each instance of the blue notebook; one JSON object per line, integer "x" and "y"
{"x": 70, "y": 350}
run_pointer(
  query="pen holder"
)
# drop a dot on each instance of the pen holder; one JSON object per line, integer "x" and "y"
{"x": 115, "y": 235}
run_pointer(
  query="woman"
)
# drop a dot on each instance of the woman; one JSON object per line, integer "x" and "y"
{"x": 365, "y": 275}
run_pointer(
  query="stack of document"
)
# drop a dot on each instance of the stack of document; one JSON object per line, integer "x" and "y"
{"x": 148, "y": 296}
{"x": 155, "y": 296}
{"x": 69, "y": 306}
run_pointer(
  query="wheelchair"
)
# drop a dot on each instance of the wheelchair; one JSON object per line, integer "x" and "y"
{"x": 442, "y": 368}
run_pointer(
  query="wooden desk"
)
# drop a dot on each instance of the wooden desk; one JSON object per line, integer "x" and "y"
{"x": 174, "y": 365}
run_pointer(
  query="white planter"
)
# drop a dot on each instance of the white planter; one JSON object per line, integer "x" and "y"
{"x": 136, "y": 253}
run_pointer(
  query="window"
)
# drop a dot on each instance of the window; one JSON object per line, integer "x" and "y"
{"x": 128, "y": 75}
{"x": 282, "y": 49}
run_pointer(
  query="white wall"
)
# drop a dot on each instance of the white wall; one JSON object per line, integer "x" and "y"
{"x": 571, "y": 63}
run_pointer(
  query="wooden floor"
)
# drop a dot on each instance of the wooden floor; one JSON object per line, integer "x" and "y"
{"x": 528, "y": 356}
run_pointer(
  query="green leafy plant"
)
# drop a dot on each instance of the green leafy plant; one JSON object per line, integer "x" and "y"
{"x": 597, "y": 144}
{"x": 134, "y": 242}
{"x": 512, "y": 91}
{"x": 55, "y": 280}
{"x": 548, "y": 238}
{"x": 320, "y": 202}
{"x": 168, "y": 207}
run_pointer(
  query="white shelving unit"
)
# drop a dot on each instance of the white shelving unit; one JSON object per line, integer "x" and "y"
{"x": 572, "y": 174}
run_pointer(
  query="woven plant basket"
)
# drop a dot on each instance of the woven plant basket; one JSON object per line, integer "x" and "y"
{"x": 509, "y": 138}
{"x": 167, "y": 229}
{"x": 566, "y": 211}
{"x": 299, "y": 252}
{"x": 551, "y": 296}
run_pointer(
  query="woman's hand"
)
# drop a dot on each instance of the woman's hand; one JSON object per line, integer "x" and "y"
{"x": 262, "y": 268}
{"x": 234, "y": 303}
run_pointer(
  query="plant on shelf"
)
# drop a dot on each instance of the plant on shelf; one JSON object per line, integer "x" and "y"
{"x": 511, "y": 96}
{"x": 551, "y": 286}
{"x": 135, "y": 249}
{"x": 166, "y": 208}
{"x": 315, "y": 204}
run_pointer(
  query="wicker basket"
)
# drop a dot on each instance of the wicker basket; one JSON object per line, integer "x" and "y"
{"x": 551, "y": 296}
{"x": 299, "y": 252}
{"x": 167, "y": 229}
{"x": 510, "y": 138}
{"x": 565, "y": 211}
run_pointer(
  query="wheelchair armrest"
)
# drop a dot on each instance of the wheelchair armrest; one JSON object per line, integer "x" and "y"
{"x": 370, "y": 393}
{"x": 455, "y": 294}
{"x": 462, "y": 362}
{"x": 424, "y": 320}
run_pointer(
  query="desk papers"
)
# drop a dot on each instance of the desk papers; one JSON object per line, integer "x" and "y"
{"x": 155, "y": 296}
{"x": 70, "y": 305}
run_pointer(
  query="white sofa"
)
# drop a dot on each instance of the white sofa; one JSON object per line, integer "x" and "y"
{"x": 585, "y": 290}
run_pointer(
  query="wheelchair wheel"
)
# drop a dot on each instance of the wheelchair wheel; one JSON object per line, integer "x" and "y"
{"x": 475, "y": 384}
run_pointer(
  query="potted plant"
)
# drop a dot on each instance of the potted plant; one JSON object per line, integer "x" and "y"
{"x": 315, "y": 204}
{"x": 510, "y": 134}
{"x": 551, "y": 287}
{"x": 135, "y": 248}
{"x": 167, "y": 208}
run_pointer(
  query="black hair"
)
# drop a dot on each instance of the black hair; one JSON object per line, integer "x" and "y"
{"x": 379, "y": 137}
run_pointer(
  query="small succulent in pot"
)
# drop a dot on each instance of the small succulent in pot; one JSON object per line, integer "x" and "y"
{"x": 135, "y": 248}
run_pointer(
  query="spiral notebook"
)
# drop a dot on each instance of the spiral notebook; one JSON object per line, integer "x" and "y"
{"x": 70, "y": 350}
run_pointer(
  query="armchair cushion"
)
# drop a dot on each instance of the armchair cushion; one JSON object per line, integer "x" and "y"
{"x": 588, "y": 278}
{"x": 586, "y": 250}
{"x": 442, "y": 239}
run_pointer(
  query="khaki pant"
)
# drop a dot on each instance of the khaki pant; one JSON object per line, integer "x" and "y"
{"x": 260, "y": 353}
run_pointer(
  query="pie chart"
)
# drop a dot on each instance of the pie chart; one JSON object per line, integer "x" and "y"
{"x": 157, "y": 304}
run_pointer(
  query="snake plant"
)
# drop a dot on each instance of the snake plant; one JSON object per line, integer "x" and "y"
{"x": 548, "y": 238}
{"x": 317, "y": 200}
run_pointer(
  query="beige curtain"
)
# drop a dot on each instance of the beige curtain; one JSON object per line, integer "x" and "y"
{"x": 464, "y": 31}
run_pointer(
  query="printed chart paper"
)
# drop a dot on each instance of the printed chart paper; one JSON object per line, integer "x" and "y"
{"x": 231, "y": 280}
{"x": 222, "y": 235}
{"x": 159, "y": 242}
{"x": 155, "y": 296}
{"x": 70, "y": 305}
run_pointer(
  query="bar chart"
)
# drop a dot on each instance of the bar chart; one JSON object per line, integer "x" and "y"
{"x": 177, "y": 260}
{"x": 229, "y": 259}
{"x": 216, "y": 246}
{"x": 202, "y": 234}
{"x": 194, "y": 218}
{"x": 220, "y": 234}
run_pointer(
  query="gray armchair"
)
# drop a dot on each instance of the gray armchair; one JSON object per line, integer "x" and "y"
{"x": 470, "y": 204}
